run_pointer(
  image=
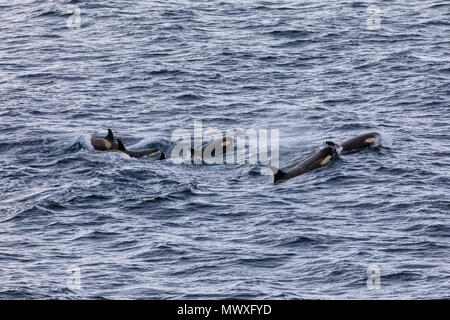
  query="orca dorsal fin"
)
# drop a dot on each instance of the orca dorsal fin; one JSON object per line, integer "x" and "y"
{"x": 332, "y": 144}
{"x": 162, "y": 156}
{"x": 277, "y": 174}
{"x": 110, "y": 136}
{"x": 120, "y": 146}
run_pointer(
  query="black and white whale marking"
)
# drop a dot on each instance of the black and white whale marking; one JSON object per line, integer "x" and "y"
{"x": 316, "y": 161}
{"x": 324, "y": 156}
{"x": 139, "y": 153}
{"x": 214, "y": 148}
{"x": 357, "y": 143}
{"x": 104, "y": 144}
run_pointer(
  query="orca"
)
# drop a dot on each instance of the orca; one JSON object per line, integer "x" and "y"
{"x": 104, "y": 144}
{"x": 139, "y": 153}
{"x": 357, "y": 143}
{"x": 214, "y": 148}
{"x": 316, "y": 161}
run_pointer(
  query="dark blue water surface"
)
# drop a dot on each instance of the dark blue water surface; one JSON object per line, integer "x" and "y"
{"x": 142, "y": 228}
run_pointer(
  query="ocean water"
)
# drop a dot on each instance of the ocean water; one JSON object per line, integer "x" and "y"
{"x": 78, "y": 223}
